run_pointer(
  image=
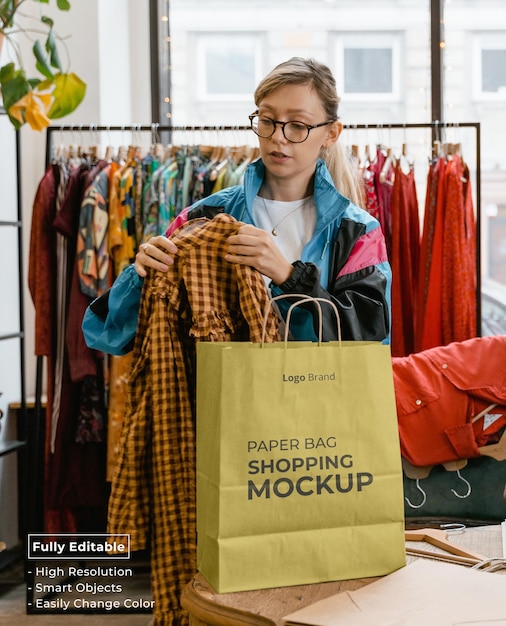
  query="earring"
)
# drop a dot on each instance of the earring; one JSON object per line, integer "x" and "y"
{"x": 324, "y": 152}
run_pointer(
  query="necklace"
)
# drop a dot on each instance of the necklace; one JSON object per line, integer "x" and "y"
{"x": 274, "y": 230}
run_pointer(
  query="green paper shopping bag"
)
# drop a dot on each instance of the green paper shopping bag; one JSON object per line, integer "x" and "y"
{"x": 299, "y": 475}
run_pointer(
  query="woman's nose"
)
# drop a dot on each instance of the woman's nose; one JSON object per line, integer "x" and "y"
{"x": 278, "y": 132}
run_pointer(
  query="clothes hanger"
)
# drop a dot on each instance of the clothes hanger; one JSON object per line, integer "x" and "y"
{"x": 415, "y": 471}
{"x": 424, "y": 497}
{"x": 355, "y": 153}
{"x": 385, "y": 170}
{"x": 439, "y": 539}
{"x": 405, "y": 160}
{"x": 467, "y": 483}
{"x": 367, "y": 155}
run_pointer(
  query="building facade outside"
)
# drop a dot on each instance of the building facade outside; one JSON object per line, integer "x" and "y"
{"x": 379, "y": 51}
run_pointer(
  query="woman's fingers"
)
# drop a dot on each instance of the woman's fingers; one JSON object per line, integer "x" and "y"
{"x": 157, "y": 253}
{"x": 255, "y": 247}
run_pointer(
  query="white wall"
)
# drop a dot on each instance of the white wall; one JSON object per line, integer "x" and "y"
{"x": 109, "y": 50}
{"x": 10, "y": 376}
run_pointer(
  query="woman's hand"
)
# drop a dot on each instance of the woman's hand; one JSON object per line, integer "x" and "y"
{"x": 254, "y": 247}
{"x": 158, "y": 252}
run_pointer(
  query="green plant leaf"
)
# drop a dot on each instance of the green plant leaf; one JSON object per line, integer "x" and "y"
{"x": 43, "y": 62}
{"x": 47, "y": 20}
{"x": 68, "y": 94}
{"x": 63, "y": 5}
{"x": 12, "y": 91}
{"x": 54, "y": 57}
{"x": 7, "y": 72}
{"x": 26, "y": 100}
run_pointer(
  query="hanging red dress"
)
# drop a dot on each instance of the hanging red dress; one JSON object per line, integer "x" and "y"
{"x": 383, "y": 195}
{"x": 447, "y": 299}
{"x": 459, "y": 256}
{"x": 404, "y": 260}
{"x": 429, "y": 317}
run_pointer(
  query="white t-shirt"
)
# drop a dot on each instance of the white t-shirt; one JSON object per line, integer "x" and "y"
{"x": 294, "y": 222}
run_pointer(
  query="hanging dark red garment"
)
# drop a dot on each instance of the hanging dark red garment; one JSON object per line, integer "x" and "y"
{"x": 75, "y": 493}
{"x": 429, "y": 321}
{"x": 404, "y": 260}
{"x": 383, "y": 195}
{"x": 371, "y": 198}
{"x": 459, "y": 256}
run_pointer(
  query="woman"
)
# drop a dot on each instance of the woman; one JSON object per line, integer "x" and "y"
{"x": 303, "y": 228}
{"x": 304, "y": 236}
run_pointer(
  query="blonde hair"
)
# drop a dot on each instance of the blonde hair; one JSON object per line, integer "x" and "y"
{"x": 299, "y": 71}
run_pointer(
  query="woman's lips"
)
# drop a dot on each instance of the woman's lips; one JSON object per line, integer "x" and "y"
{"x": 278, "y": 156}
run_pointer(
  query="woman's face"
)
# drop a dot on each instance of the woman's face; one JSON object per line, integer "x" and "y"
{"x": 290, "y": 103}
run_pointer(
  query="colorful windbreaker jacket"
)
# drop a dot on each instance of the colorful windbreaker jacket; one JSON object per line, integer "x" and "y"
{"x": 345, "y": 261}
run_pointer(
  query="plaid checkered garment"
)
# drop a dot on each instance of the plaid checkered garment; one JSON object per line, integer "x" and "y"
{"x": 200, "y": 298}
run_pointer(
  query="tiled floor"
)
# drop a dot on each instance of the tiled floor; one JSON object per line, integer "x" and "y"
{"x": 13, "y": 605}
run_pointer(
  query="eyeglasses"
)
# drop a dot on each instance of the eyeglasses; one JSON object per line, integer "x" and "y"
{"x": 294, "y": 132}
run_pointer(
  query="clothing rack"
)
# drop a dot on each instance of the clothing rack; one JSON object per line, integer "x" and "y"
{"x": 438, "y": 129}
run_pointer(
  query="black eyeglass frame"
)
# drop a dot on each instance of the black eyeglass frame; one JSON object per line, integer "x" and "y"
{"x": 309, "y": 127}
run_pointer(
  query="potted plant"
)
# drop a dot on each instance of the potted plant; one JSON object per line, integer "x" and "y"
{"x": 54, "y": 91}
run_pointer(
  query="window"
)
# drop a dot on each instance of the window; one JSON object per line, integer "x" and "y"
{"x": 228, "y": 66}
{"x": 369, "y": 68}
{"x": 360, "y": 75}
{"x": 493, "y": 70}
{"x": 490, "y": 67}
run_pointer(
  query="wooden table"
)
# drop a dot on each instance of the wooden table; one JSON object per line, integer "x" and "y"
{"x": 267, "y": 607}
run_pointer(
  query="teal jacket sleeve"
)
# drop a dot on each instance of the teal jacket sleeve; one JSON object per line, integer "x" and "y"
{"x": 110, "y": 327}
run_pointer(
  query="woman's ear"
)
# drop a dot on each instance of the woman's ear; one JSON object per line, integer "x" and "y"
{"x": 334, "y": 130}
